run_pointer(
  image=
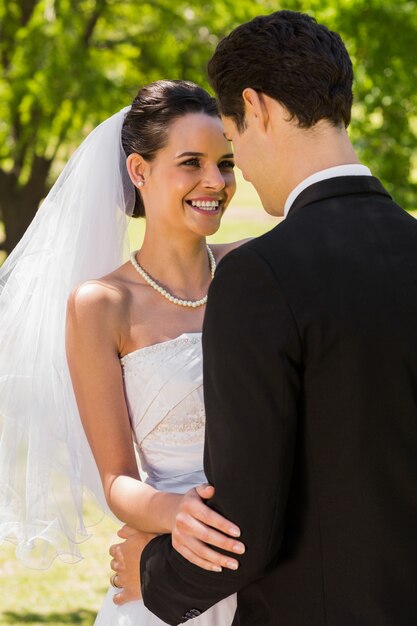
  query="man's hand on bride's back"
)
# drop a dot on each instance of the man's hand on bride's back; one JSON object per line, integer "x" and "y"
{"x": 197, "y": 529}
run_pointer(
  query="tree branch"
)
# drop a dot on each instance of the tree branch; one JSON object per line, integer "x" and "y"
{"x": 7, "y": 32}
{"x": 65, "y": 128}
{"x": 92, "y": 22}
{"x": 26, "y": 10}
{"x": 20, "y": 147}
{"x": 109, "y": 44}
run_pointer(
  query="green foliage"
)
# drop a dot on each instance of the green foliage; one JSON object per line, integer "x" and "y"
{"x": 65, "y": 65}
{"x": 68, "y": 64}
{"x": 382, "y": 39}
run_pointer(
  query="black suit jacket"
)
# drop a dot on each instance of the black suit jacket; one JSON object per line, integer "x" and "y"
{"x": 310, "y": 372}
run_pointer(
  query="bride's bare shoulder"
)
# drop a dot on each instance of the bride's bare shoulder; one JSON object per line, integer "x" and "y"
{"x": 109, "y": 295}
{"x": 221, "y": 249}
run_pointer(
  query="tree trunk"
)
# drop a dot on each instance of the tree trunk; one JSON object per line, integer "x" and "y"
{"x": 18, "y": 210}
{"x": 19, "y": 204}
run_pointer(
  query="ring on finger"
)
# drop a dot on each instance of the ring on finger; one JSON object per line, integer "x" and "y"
{"x": 113, "y": 579}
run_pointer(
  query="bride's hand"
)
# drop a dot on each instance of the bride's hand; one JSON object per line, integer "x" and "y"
{"x": 125, "y": 563}
{"x": 197, "y": 527}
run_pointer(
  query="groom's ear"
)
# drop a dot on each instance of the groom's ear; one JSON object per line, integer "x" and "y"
{"x": 255, "y": 108}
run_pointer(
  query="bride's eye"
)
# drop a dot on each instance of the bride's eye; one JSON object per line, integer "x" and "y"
{"x": 226, "y": 165}
{"x": 194, "y": 162}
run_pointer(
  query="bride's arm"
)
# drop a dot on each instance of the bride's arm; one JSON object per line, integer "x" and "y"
{"x": 92, "y": 342}
{"x": 95, "y": 318}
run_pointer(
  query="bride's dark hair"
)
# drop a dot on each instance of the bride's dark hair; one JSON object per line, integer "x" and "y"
{"x": 146, "y": 126}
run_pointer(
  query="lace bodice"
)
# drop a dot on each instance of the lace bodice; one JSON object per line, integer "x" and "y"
{"x": 163, "y": 387}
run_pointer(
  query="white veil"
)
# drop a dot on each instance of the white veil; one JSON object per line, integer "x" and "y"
{"x": 79, "y": 233}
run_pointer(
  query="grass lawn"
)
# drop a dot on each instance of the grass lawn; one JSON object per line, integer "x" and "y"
{"x": 64, "y": 594}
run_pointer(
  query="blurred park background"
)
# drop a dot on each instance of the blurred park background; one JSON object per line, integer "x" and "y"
{"x": 66, "y": 65}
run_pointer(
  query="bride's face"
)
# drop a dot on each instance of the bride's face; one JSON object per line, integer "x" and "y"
{"x": 189, "y": 184}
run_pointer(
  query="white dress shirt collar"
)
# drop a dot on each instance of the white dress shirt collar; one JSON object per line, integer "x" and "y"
{"x": 352, "y": 169}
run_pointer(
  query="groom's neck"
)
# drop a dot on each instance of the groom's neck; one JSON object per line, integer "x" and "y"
{"x": 309, "y": 151}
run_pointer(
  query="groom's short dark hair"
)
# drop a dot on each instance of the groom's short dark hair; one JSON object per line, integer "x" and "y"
{"x": 289, "y": 57}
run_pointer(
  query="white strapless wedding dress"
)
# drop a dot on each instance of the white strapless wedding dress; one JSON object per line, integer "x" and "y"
{"x": 163, "y": 387}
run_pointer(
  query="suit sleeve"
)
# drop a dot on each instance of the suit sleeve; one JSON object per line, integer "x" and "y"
{"x": 252, "y": 363}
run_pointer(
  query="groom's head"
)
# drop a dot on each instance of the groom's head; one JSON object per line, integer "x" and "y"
{"x": 282, "y": 76}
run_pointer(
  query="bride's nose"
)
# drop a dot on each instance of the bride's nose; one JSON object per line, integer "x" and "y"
{"x": 214, "y": 179}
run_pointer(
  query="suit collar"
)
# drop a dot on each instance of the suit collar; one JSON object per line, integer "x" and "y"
{"x": 347, "y": 169}
{"x": 336, "y": 187}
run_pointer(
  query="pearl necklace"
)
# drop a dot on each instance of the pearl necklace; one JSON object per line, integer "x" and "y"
{"x": 164, "y": 292}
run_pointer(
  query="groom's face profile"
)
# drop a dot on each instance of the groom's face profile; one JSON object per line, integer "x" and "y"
{"x": 238, "y": 139}
{"x": 251, "y": 158}
{"x": 279, "y": 78}
{"x": 260, "y": 145}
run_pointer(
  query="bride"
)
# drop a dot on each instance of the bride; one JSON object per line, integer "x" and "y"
{"x": 133, "y": 340}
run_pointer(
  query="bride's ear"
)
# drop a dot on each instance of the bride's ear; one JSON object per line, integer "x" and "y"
{"x": 135, "y": 165}
{"x": 255, "y": 108}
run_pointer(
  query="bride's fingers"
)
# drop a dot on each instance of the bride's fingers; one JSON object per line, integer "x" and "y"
{"x": 129, "y": 585}
{"x": 125, "y": 596}
{"x": 116, "y": 565}
{"x": 126, "y": 532}
{"x": 115, "y": 551}
{"x": 205, "y": 514}
{"x": 192, "y": 557}
{"x": 187, "y": 526}
{"x": 196, "y": 550}
{"x": 206, "y": 523}
{"x": 205, "y": 491}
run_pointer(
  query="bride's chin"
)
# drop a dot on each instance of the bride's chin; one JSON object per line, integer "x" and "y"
{"x": 206, "y": 231}
{"x": 205, "y": 227}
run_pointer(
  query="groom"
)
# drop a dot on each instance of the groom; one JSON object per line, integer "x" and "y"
{"x": 310, "y": 359}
